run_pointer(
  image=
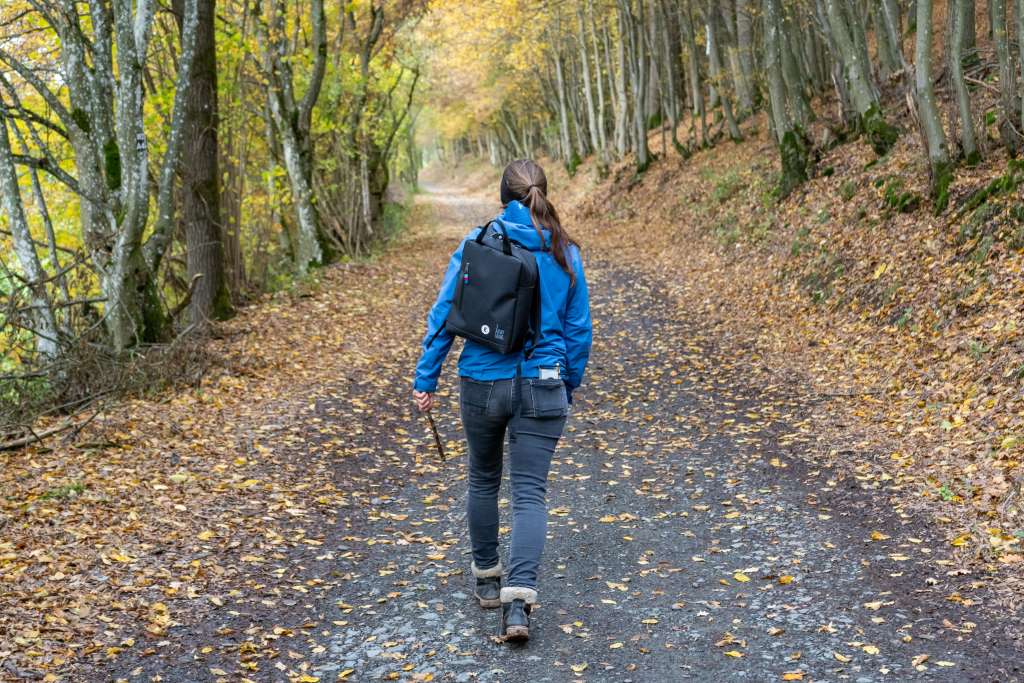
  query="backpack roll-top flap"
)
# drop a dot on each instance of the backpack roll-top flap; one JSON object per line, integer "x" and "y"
{"x": 494, "y": 293}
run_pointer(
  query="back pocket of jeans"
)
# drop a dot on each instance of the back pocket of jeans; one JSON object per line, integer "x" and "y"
{"x": 475, "y": 395}
{"x": 545, "y": 398}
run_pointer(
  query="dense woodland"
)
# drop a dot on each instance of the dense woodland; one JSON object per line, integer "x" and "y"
{"x": 160, "y": 163}
{"x": 163, "y": 162}
{"x": 611, "y": 72}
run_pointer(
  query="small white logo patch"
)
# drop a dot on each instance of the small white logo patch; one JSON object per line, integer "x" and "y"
{"x": 485, "y": 329}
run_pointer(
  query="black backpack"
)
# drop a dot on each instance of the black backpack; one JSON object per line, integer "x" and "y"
{"x": 497, "y": 295}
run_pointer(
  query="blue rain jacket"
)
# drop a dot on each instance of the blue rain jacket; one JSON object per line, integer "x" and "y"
{"x": 565, "y": 329}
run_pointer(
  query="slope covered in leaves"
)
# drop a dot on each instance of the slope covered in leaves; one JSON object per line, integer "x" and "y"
{"x": 905, "y": 328}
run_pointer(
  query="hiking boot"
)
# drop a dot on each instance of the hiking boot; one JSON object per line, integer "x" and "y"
{"x": 488, "y": 586}
{"x": 516, "y": 603}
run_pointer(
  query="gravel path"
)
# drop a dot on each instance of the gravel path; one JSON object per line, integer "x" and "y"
{"x": 689, "y": 539}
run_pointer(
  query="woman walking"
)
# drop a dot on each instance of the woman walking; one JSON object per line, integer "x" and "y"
{"x": 550, "y": 369}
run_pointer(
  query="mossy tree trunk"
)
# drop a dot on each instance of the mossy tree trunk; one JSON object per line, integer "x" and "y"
{"x": 878, "y": 131}
{"x": 939, "y": 165}
{"x": 793, "y": 148}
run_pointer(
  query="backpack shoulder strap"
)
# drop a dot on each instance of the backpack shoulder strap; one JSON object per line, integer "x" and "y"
{"x": 534, "y": 320}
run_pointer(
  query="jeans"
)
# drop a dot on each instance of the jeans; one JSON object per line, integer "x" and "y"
{"x": 487, "y": 410}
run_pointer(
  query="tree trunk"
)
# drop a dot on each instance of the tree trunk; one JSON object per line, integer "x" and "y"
{"x": 1010, "y": 137}
{"x": 872, "y": 122}
{"x": 888, "y": 60}
{"x": 588, "y": 92}
{"x": 696, "y": 88}
{"x": 718, "y": 74}
{"x": 935, "y": 138}
{"x": 639, "y": 76}
{"x": 602, "y": 133}
{"x": 200, "y": 175}
{"x": 44, "y": 321}
{"x": 292, "y": 122}
{"x": 622, "y": 110}
{"x": 1020, "y": 58}
{"x": 563, "y": 115}
{"x": 790, "y": 140}
{"x": 958, "y": 11}
{"x": 745, "y": 41}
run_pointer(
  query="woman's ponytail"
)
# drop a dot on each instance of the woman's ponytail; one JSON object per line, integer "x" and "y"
{"x": 526, "y": 181}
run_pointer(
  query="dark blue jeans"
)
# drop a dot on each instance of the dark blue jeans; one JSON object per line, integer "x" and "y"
{"x": 487, "y": 411}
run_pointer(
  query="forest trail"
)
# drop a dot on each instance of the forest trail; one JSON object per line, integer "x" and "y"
{"x": 687, "y": 538}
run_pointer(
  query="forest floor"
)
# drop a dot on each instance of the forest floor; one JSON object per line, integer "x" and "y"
{"x": 289, "y": 519}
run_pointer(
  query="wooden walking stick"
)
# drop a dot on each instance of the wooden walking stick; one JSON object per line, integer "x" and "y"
{"x": 437, "y": 437}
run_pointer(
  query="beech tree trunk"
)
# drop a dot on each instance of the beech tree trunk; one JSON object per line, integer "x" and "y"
{"x": 938, "y": 154}
{"x": 959, "y": 10}
{"x": 858, "y": 77}
{"x": 788, "y": 137}
{"x": 1009, "y": 99}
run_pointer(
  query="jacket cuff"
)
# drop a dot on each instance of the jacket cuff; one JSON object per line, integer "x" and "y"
{"x": 425, "y": 385}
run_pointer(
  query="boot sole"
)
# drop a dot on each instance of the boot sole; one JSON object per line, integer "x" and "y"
{"x": 517, "y": 634}
{"x": 488, "y": 603}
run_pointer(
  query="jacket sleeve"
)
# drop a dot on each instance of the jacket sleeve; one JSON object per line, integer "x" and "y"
{"x": 438, "y": 341}
{"x": 578, "y": 329}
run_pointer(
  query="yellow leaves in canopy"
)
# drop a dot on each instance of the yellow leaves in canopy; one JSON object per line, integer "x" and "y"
{"x": 482, "y": 57}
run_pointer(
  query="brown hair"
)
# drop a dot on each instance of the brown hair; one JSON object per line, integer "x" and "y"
{"x": 525, "y": 181}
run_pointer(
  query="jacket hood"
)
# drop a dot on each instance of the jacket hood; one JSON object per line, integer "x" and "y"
{"x": 520, "y": 227}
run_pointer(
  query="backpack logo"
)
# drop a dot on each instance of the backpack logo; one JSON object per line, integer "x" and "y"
{"x": 485, "y": 329}
{"x": 499, "y": 333}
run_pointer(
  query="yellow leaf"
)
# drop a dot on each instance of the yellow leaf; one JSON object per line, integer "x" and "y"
{"x": 120, "y": 557}
{"x": 205, "y": 535}
{"x": 841, "y": 657}
{"x": 793, "y": 676}
{"x": 878, "y": 536}
{"x": 615, "y": 646}
{"x": 648, "y": 621}
{"x": 608, "y": 518}
{"x": 345, "y": 674}
{"x": 870, "y": 649}
{"x": 880, "y": 270}
{"x": 579, "y": 668}
{"x": 957, "y": 542}
{"x": 741, "y": 577}
{"x": 733, "y": 653}
{"x": 787, "y": 579}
